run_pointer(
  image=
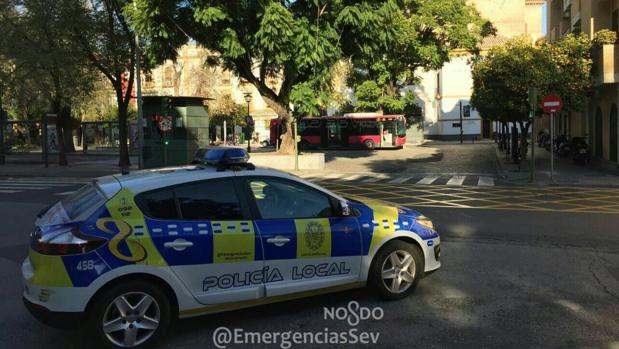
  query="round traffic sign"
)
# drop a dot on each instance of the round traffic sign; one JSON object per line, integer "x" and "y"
{"x": 552, "y": 104}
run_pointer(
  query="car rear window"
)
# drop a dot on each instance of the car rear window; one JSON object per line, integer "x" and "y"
{"x": 82, "y": 200}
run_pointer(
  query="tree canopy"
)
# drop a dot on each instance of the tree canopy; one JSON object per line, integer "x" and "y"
{"x": 501, "y": 79}
{"x": 425, "y": 34}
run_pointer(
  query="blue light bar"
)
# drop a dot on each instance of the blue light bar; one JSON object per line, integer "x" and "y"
{"x": 226, "y": 156}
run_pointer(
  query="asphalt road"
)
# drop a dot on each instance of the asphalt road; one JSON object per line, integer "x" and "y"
{"x": 510, "y": 279}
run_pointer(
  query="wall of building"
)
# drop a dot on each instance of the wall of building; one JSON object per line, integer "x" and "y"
{"x": 588, "y": 17}
{"x": 441, "y": 92}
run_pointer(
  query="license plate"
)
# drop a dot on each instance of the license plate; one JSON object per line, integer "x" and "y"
{"x": 583, "y": 151}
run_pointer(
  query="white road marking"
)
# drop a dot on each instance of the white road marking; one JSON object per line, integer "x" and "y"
{"x": 9, "y": 191}
{"x": 456, "y": 180}
{"x": 65, "y": 193}
{"x": 333, "y": 176}
{"x": 400, "y": 180}
{"x": 22, "y": 187}
{"x": 48, "y": 180}
{"x": 352, "y": 177}
{"x": 33, "y": 185}
{"x": 486, "y": 181}
{"x": 427, "y": 180}
{"x": 377, "y": 177}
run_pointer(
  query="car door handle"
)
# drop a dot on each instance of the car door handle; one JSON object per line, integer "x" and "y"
{"x": 178, "y": 244}
{"x": 278, "y": 240}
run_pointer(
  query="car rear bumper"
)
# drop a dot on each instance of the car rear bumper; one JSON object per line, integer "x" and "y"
{"x": 54, "y": 298}
{"x": 61, "y": 320}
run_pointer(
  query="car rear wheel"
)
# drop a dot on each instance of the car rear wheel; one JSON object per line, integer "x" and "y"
{"x": 130, "y": 315}
{"x": 369, "y": 144}
{"x": 396, "y": 269}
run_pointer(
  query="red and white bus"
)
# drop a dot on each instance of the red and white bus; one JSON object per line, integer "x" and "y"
{"x": 355, "y": 131}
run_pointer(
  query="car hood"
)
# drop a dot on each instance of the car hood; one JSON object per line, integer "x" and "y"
{"x": 380, "y": 212}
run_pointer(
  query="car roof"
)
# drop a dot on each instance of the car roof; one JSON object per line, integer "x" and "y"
{"x": 145, "y": 180}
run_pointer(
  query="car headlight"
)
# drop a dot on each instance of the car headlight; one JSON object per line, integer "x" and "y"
{"x": 425, "y": 222}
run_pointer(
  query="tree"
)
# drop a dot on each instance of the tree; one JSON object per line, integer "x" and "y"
{"x": 501, "y": 80}
{"x": 426, "y": 34}
{"x": 291, "y": 43}
{"x": 102, "y": 34}
{"x": 43, "y": 62}
{"x": 225, "y": 108}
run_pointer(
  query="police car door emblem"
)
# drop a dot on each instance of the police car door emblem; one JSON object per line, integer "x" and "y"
{"x": 314, "y": 236}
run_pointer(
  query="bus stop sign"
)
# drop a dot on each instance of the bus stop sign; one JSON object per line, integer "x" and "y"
{"x": 552, "y": 104}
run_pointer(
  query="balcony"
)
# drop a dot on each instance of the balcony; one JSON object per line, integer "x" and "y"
{"x": 606, "y": 64}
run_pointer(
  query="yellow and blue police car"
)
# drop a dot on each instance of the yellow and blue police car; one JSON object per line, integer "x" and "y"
{"x": 129, "y": 254}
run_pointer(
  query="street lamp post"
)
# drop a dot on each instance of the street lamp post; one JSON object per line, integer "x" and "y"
{"x": 249, "y": 122}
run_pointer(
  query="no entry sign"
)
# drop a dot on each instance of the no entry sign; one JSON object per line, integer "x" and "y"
{"x": 552, "y": 104}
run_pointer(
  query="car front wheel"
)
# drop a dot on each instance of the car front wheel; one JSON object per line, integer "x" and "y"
{"x": 396, "y": 269}
{"x": 130, "y": 315}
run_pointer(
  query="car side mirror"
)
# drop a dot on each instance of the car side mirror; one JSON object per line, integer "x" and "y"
{"x": 344, "y": 209}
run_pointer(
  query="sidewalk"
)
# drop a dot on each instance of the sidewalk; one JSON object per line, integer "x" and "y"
{"x": 596, "y": 173}
{"x": 80, "y": 165}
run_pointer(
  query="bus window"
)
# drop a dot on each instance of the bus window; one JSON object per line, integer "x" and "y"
{"x": 368, "y": 127}
{"x": 400, "y": 128}
{"x": 309, "y": 127}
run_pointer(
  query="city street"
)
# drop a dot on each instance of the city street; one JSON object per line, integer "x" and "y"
{"x": 450, "y": 174}
{"x": 522, "y": 267}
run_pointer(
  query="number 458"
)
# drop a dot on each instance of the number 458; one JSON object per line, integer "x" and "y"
{"x": 85, "y": 265}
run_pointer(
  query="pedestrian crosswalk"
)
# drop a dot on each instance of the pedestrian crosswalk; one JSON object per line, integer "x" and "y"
{"x": 23, "y": 184}
{"x": 414, "y": 179}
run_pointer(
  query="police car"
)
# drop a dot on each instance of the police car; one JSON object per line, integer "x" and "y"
{"x": 129, "y": 254}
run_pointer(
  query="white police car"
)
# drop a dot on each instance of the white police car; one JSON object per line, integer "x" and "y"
{"x": 128, "y": 254}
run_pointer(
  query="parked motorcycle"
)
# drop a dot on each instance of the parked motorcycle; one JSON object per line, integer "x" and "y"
{"x": 563, "y": 146}
{"x": 581, "y": 153}
{"x": 543, "y": 138}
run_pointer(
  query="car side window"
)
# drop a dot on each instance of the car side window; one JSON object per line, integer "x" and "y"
{"x": 214, "y": 199}
{"x": 208, "y": 200}
{"x": 282, "y": 199}
{"x": 159, "y": 204}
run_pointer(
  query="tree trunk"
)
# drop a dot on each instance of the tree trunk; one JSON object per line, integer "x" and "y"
{"x": 287, "y": 140}
{"x": 60, "y": 121}
{"x": 123, "y": 148}
{"x": 67, "y": 131}
{"x": 524, "y": 144}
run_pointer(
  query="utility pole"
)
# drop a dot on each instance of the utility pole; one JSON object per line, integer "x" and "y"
{"x": 552, "y": 144}
{"x": 249, "y": 122}
{"x": 296, "y": 149}
{"x": 2, "y": 121}
{"x": 533, "y": 105}
{"x": 461, "y": 129}
{"x": 138, "y": 90}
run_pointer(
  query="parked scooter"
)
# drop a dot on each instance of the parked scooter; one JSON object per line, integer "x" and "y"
{"x": 543, "y": 138}
{"x": 563, "y": 146}
{"x": 581, "y": 153}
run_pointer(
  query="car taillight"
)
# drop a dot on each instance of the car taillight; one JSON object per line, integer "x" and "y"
{"x": 64, "y": 241}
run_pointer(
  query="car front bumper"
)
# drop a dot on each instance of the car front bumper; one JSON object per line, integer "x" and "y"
{"x": 432, "y": 253}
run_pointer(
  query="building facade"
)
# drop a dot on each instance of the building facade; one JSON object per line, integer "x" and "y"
{"x": 446, "y": 93}
{"x": 189, "y": 76}
{"x": 598, "y": 122}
